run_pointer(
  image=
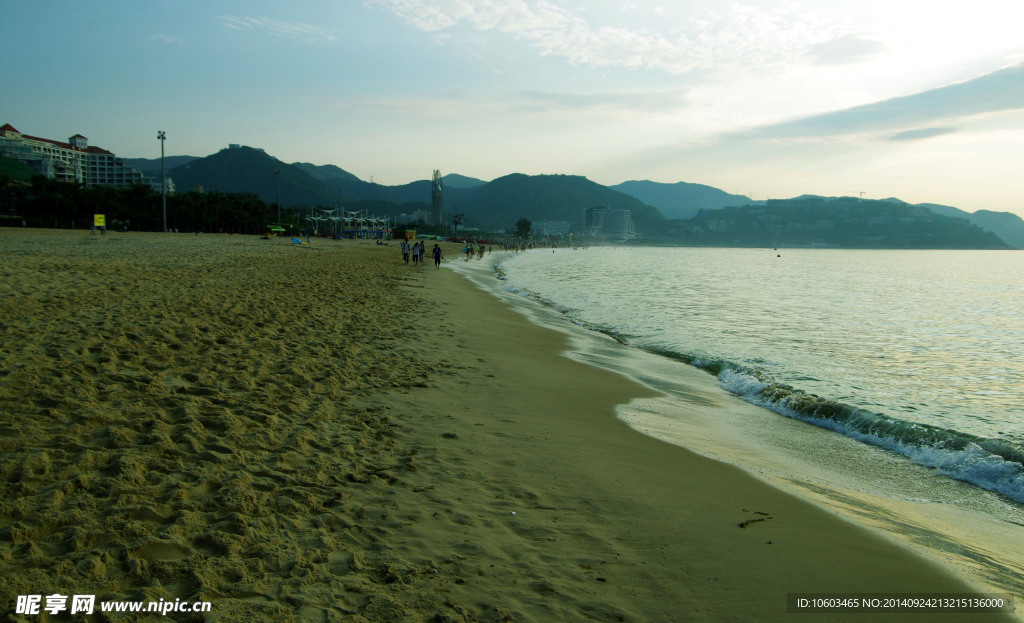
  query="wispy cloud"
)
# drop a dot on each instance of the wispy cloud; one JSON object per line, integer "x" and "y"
{"x": 738, "y": 37}
{"x": 923, "y": 133}
{"x": 911, "y": 116}
{"x": 959, "y": 109}
{"x": 546, "y": 103}
{"x": 306, "y": 33}
{"x": 167, "y": 39}
{"x": 613, "y": 101}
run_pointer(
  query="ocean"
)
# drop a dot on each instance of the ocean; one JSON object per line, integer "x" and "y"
{"x": 886, "y": 384}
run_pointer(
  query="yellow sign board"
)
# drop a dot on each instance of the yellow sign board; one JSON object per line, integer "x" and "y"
{"x": 99, "y": 220}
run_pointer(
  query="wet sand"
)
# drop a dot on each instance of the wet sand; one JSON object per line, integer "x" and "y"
{"x": 324, "y": 433}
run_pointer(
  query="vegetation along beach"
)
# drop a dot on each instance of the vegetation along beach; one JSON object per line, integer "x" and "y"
{"x": 324, "y": 433}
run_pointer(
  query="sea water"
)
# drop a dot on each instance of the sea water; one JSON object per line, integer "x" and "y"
{"x": 887, "y": 384}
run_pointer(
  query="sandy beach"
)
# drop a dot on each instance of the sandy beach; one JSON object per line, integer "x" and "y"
{"x": 323, "y": 433}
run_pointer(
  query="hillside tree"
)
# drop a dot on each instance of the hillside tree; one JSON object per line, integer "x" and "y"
{"x": 523, "y": 228}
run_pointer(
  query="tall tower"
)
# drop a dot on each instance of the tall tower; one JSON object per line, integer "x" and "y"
{"x": 436, "y": 195}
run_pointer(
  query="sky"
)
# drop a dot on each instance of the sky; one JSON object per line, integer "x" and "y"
{"x": 770, "y": 99}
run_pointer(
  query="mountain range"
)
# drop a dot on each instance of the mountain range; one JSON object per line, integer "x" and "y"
{"x": 659, "y": 211}
{"x": 681, "y": 200}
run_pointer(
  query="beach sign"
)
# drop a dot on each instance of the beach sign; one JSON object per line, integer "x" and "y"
{"x": 99, "y": 220}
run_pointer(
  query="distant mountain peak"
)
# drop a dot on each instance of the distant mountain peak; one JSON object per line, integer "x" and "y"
{"x": 454, "y": 180}
{"x": 680, "y": 200}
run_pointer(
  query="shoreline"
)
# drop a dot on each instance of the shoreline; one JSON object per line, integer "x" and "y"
{"x": 965, "y": 529}
{"x": 619, "y": 448}
{"x": 317, "y": 433}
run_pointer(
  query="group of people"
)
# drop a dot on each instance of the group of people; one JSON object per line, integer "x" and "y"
{"x": 470, "y": 250}
{"x": 418, "y": 252}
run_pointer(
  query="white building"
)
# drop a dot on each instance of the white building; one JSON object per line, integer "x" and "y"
{"x": 74, "y": 161}
{"x": 158, "y": 187}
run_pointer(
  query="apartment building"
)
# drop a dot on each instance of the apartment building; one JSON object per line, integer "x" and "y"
{"x": 611, "y": 224}
{"x": 73, "y": 161}
{"x": 619, "y": 225}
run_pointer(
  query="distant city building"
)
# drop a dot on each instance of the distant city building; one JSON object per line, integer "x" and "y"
{"x": 600, "y": 222}
{"x": 619, "y": 225}
{"x": 436, "y": 198}
{"x": 15, "y": 169}
{"x": 74, "y": 161}
{"x": 418, "y": 216}
{"x": 593, "y": 218}
{"x": 593, "y": 221}
{"x": 551, "y": 228}
{"x": 158, "y": 187}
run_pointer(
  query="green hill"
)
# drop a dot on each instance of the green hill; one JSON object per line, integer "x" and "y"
{"x": 454, "y": 180}
{"x": 845, "y": 222}
{"x": 251, "y": 171}
{"x": 500, "y": 203}
{"x": 151, "y": 166}
{"x": 681, "y": 200}
{"x": 327, "y": 172}
{"x": 1006, "y": 225}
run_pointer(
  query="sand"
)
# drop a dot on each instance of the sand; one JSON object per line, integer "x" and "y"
{"x": 327, "y": 434}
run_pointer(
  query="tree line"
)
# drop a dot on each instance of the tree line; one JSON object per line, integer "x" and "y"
{"x": 48, "y": 203}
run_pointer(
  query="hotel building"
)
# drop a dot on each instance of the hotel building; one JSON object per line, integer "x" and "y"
{"x": 74, "y": 161}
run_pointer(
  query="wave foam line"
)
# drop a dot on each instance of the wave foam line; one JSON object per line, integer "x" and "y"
{"x": 992, "y": 464}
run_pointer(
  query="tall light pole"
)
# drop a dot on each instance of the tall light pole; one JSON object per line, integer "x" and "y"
{"x": 456, "y": 221}
{"x": 162, "y": 136}
{"x": 278, "y": 174}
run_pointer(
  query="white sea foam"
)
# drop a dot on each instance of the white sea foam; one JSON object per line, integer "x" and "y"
{"x": 742, "y": 383}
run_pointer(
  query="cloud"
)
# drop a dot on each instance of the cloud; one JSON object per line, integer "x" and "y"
{"x": 524, "y": 102}
{"x": 306, "y": 33}
{"x": 923, "y": 133}
{"x": 844, "y": 50}
{"x": 998, "y": 91}
{"x": 954, "y": 108}
{"x": 739, "y": 37}
{"x": 167, "y": 39}
{"x": 645, "y": 102}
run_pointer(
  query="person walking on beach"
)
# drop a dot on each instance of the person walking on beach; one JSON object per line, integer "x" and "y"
{"x": 405, "y": 251}
{"x": 437, "y": 256}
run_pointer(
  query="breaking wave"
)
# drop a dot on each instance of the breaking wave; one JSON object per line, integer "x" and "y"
{"x": 993, "y": 464}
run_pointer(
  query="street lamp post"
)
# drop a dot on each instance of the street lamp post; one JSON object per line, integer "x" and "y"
{"x": 278, "y": 174}
{"x": 456, "y": 221}
{"x": 162, "y": 136}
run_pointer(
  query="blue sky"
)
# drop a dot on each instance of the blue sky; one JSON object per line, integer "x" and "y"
{"x": 771, "y": 99}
